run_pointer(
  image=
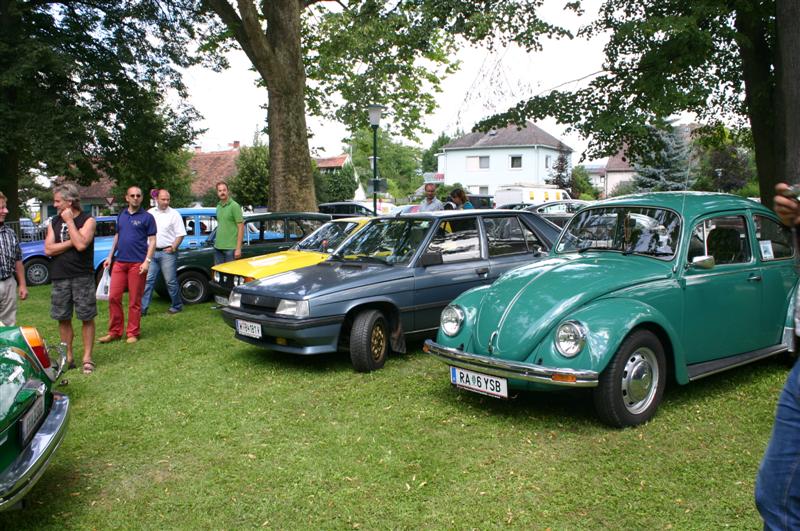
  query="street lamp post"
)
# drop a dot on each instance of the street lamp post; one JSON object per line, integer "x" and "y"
{"x": 375, "y": 112}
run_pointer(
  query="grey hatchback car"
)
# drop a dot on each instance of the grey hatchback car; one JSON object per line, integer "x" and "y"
{"x": 391, "y": 280}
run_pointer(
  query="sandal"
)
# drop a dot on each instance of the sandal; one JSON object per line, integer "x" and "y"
{"x": 70, "y": 364}
{"x": 88, "y": 367}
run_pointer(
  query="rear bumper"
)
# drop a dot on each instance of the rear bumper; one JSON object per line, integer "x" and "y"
{"x": 516, "y": 370}
{"x": 22, "y": 474}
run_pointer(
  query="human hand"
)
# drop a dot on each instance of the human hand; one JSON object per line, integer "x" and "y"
{"x": 143, "y": 267}
{"x": 106, "y": 263}
{"x": 67, "y": 214}
{"x": 786, "y": 205}
{"x": 237, "y": 253}
{"x": 23, "y": 293}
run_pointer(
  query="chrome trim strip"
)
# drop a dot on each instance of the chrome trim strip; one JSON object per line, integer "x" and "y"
{"x": 528, "y": 372}
{"x": 22, "y": 474}
{"x": 742, "y": 359}
{"x": 788, "y": 339}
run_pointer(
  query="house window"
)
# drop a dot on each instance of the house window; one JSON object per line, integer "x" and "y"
{"x": 515, "y": 162}
{"x": 477, "y": 163}
{"x": 548, "y": 160}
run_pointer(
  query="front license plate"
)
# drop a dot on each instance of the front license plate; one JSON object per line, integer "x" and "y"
{"x": 31, "y": 420}
{"x": 246, "y": 328}
{"x": 479, "y": 383}
{"x": 222, "y": 301}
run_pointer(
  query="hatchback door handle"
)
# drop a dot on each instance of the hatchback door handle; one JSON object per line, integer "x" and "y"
{"x": 482, "y": 270}
{"x": 754, "y": 278}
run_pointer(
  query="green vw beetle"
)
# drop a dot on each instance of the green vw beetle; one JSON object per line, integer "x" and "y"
{"x": 33, "y": 418}
{"x": 637, "y": 290}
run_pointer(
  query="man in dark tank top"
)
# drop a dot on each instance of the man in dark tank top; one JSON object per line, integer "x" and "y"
{"x": 70, "y": 244}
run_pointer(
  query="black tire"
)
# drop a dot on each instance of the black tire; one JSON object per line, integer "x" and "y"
{"x": 37, "y": 272}
{"x": 193, "y": 287}
{"x": 631, "y": 386}
{"x": 369, "y": 341}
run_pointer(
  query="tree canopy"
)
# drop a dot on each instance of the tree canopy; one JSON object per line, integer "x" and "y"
{"x": 83, "y": 85}
{"x": 717, "y": 59}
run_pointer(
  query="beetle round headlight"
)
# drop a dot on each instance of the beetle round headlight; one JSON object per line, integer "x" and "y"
{"x": 452, "y": 318}
{"x": 570, "y": 338}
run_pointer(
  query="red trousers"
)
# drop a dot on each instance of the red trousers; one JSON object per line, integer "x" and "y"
{"x": 125, "y": 275}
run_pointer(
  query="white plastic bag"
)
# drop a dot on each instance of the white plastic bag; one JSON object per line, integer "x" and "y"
{"x": 104, "y": 287}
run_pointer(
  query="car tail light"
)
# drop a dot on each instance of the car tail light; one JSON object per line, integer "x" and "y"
{"x": 36, "y": 344}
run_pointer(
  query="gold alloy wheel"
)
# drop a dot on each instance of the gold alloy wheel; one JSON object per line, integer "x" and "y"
{"x": 378, "y": 341}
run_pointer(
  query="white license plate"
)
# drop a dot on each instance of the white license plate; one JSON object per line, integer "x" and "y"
{"x": 246, "y": 328}
{"x": 31, "y": 419}
{"x": 479, "y": 383}
{"x": 222, "y": 301}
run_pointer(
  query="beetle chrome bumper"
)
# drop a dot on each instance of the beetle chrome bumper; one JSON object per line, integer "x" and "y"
{"x": 516, "y": 370}
{"x": 23, "y": 473}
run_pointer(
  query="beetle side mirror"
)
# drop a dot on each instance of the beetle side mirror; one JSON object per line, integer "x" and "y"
{"x": 703, "y": 262}
{"x": 430, "y": 259}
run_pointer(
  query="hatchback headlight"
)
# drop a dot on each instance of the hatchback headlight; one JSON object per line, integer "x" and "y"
{"x": 289, "y": 308}
{"x": 215, "y": 276}
{"x": 570, "y": 338}
{"x": 452, "y": 319}
{"x": 235, "y": 300}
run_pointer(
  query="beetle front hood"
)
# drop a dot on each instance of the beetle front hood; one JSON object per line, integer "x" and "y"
{"x": 524, "y": 304}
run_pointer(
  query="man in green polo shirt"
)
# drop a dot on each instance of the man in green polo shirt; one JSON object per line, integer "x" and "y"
{"x": 230, "y": 227}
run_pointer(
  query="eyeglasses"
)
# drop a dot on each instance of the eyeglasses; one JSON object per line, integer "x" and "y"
{"x": 134, "y": 195}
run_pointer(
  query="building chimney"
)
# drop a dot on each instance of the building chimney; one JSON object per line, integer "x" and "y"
{"x": 198, "y": 149}
{"x": 235, "y": 144}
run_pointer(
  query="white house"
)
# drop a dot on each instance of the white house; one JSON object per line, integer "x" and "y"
{"x": 483, "y": 161}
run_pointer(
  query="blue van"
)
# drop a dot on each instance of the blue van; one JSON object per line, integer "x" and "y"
{"x": 199, "y": 222}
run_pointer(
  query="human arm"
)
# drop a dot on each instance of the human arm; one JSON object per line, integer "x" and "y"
{"x": 237, "y": 253}
{"x": 180, "y": 233}
{"x": 22, "y": 287}
{"x": 151, "y": 248}
{"x": 107, "y": 261}
{"x": 787, "y": 208}
{"x": 51, "y": 248}
{"x": 80, "y": 238}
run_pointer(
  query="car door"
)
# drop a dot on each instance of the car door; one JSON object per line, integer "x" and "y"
{"x": 722, "y": 305}
{"x": 510, "y": 243}
{"x": 463, "y": 265}
{"x": 776, "y": 254}
{"x": 267, "y": 236}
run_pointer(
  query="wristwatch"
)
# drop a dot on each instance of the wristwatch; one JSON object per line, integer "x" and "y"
{"x": 148, "y": 260}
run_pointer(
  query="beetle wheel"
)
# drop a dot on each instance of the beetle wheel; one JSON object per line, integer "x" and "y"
{"x": 369, "y": 341}
{"x": 631, "y": 387}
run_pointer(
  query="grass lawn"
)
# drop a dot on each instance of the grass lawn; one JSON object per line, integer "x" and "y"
{"x": 190, "y": 428}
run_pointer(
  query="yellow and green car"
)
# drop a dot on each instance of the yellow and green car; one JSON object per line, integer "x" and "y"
{"x": 310, "y": 251}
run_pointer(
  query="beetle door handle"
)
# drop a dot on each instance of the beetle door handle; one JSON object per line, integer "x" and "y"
{"x": 754, "y": 278}
{"x": 482, "y": 270}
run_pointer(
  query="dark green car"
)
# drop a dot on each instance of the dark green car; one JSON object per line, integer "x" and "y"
{"x": 33, "y": 418}
{"x": 264, "y": 233}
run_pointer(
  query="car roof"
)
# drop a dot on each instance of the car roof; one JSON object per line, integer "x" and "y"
{"x": 271, "y": 215}
{"x": 691, "y": 204}
{"x": 197, "y": 210}
{"x": 438, "y": 214}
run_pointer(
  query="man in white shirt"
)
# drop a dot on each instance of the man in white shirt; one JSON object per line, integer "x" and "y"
{"x": 168, "y": 238}
{"x": 430, "y": 203}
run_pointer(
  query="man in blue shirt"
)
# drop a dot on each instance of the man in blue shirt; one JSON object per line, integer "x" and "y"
{"x": 135, "y": 243}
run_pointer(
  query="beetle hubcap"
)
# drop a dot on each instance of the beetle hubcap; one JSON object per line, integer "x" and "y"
{"x": 37, "y": 274}
{"x": 639, "y": 380}
{"x": 377, "y": 341}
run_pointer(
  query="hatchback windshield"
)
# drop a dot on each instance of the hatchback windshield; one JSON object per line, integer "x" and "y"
{"x": 389, "y": 241}
{"x": 630, "y": 230}
{"x": 328, "y": 236}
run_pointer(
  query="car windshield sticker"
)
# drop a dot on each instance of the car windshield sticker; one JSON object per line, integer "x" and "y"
{"x": 766, "y": 249}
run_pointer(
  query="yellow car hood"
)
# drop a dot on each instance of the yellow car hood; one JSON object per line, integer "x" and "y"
{"x": 271, "y": 264}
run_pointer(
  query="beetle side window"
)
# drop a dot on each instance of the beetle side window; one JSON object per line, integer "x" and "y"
{"x": 273, "y": 229}
{"x": 506, "y": 235}
{"x": 774, "y": 239}
{"x": 456, "y": 240}
{"x": 724, "y": 238}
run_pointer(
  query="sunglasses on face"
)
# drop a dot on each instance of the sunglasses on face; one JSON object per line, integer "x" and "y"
{"x": 135, "y": 195}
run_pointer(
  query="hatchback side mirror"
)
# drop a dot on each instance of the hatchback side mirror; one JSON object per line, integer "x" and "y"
{"x": 430, "y": 259}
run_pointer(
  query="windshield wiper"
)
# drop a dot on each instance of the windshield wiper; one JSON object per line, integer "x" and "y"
{"x": 367, "y": 258}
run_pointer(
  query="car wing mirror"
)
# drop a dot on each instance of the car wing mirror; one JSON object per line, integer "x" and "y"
{"x": 430, "y": 259}
{"x": 703, "y": 262}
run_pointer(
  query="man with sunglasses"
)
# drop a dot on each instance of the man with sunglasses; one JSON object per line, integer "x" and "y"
{"x": 135, "y": 243}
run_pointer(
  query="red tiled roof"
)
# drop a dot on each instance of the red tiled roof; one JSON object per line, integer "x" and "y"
{"x": 528, "y": 135}
{"x": 210, "y": 168}
{"x": 99, "y": 189}
{"x": 619, "y": 162}
{"x": 331, "y": 162}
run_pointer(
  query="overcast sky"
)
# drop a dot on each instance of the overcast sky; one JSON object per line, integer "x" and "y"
{"x": 487, "y": 82}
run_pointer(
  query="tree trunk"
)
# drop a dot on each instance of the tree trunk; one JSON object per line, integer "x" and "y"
{"x": 759, "y": 82}
{"x": 787, "y": 68}
{"x": 291, "y": 183}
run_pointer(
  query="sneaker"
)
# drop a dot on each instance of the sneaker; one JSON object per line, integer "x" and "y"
{"x": 174, "y": 310}
{"x": 108, "y": 338}
{"x": 143, "y": 313}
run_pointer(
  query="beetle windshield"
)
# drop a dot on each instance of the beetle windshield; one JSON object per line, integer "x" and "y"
{"x": 327, "y": 237}
{"x": 390, "y": 241}
{"x": 630, "y": 230}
